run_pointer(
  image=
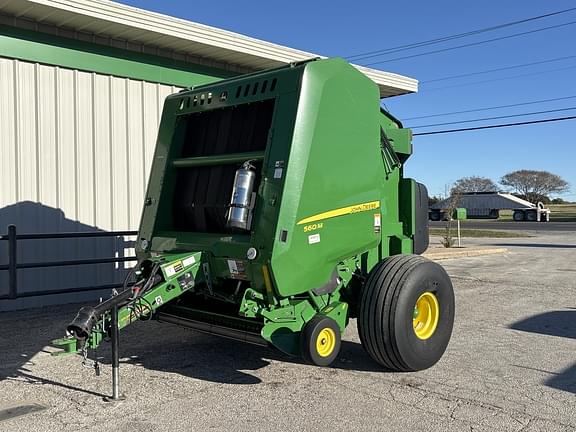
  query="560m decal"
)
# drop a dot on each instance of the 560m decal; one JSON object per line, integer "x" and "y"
{"x": 357, "y": 208}
{"x": 313, "y": 227}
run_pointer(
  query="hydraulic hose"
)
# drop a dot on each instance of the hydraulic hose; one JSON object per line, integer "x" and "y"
{"x": 88, "y": 316}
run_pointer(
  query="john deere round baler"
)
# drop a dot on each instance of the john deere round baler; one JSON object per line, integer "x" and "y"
{"x": 276, "y": 211}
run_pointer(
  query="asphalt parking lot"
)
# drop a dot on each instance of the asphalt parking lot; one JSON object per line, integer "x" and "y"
{"x": 510, "y": 366}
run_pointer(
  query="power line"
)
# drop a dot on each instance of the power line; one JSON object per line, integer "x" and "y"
{"x": 492, "y": 118}
{"x": 495, "y": 126}
{"x": 472, "y": 44}
{"x": 491, "y": 108}
{"x": 371, "y": 54}
{"x": 499, "y": 79}
{"x": 497, "y": 69}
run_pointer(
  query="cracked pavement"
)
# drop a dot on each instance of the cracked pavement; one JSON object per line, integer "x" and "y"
{"x": 510, "y": 366}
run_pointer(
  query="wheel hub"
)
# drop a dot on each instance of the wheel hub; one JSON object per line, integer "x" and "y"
{"x": 425, "y": 315}
{"x": 325, "y": 342}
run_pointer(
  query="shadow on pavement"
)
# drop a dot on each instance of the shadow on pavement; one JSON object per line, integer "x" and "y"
{"x": 169, "y": 348}
{"x": 152, "y": 345}
{"x": 555, "y": 323}
{"x": 36, "y": 380}
{"x": 565, "y": 380}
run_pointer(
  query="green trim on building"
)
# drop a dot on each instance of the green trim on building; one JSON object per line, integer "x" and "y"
{"x": 74, "y": 54}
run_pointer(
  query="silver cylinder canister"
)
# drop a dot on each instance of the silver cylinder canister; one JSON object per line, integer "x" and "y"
{"x": 239, "y": 214}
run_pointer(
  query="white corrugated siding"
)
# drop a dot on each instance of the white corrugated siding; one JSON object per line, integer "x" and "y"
{"x": 75, "y": 151}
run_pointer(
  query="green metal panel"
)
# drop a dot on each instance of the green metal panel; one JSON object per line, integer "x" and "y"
{"x": 334, "y": 165}
{"x": 58, "y": 51}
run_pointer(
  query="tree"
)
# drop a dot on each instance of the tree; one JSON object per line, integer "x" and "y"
{"x": 534, "y": 185}
{"x": 451, "y": 205}
{"x": 473, "y": 184}
{"x": 558, "y": 201}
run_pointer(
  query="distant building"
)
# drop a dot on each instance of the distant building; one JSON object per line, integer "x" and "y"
{"x": 487, "y": 205}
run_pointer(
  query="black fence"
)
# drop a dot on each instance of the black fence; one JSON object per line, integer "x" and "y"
{"x": 13, "y": 265}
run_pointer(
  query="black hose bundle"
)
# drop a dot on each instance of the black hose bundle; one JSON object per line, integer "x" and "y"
{"x": 88, "y": 316}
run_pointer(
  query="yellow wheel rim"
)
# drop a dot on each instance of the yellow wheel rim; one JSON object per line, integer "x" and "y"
{"x": 426, "y": 314}
{"x": 325, "y": 342}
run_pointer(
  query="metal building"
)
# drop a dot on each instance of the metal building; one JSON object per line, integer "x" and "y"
{"x": 82, "y": 83}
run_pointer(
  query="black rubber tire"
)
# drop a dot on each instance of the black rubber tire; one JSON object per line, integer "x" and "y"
{"x": 308, "y": 338}
{"x": 435, "y": 216}
{"x": 531, "y": 215}
{"x": 518, "y": 216}
{"x": 386, "y": 312}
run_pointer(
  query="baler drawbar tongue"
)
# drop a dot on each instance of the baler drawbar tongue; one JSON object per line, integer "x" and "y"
{"x": 158, "y": 283}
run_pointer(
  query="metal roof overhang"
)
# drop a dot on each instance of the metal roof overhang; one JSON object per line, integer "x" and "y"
{"x": 118, "y": 21}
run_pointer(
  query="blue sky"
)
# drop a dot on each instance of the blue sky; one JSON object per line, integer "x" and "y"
{"x": 347, "y": 28}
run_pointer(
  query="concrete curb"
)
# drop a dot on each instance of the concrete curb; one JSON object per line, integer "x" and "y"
{"x": 438, "y": 254}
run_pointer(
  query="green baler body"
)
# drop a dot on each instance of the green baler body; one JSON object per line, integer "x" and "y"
{"x": 331, "y": 201}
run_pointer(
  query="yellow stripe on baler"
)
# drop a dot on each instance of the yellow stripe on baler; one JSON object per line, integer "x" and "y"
{"x": 357, "y": 208}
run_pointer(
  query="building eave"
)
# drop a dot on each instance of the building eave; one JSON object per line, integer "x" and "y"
{"x": 133, "y": 25}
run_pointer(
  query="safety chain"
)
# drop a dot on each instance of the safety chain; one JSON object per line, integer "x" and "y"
{"x": 91, "y": 364}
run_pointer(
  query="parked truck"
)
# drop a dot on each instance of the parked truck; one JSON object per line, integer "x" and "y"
{"x": 276, "y": 211}
{"x": 487, "y": 205}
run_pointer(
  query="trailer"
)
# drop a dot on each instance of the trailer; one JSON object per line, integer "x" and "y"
{"x": 487, "y": 205}
{"x": 277, "y": 210}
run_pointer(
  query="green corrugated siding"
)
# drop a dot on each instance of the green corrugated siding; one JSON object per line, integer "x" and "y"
{"x": 70, "y": 53}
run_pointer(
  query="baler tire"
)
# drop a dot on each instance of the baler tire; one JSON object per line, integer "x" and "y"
{"x": 388, "y": 323}
{"x": 313, "y": 341}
